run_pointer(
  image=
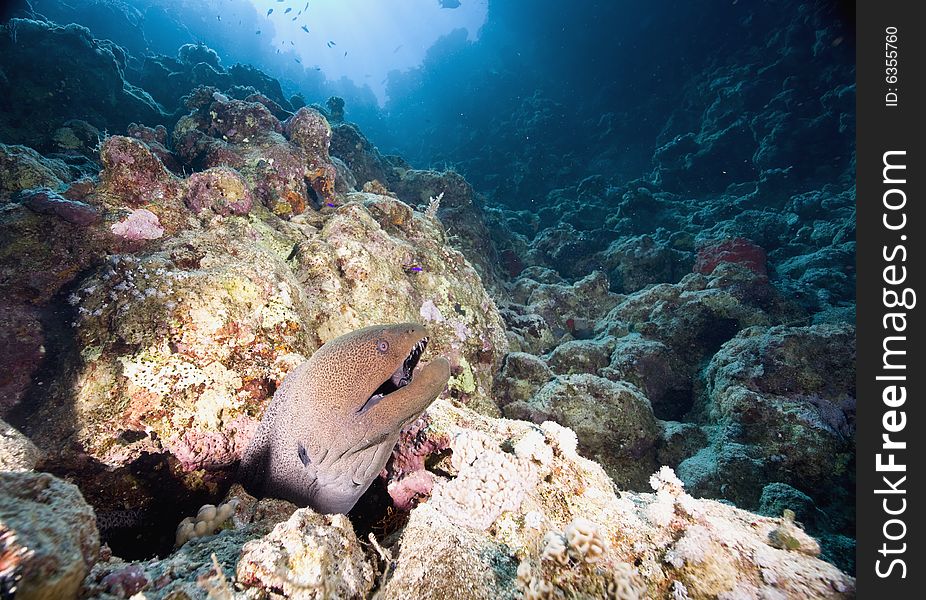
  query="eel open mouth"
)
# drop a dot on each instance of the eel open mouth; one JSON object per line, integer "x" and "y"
{"x": 399, "y": 379}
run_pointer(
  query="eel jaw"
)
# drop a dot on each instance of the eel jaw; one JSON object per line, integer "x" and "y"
{"x": 399, "y": 379}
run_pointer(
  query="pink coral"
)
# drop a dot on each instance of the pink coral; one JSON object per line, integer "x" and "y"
{"x": 405, "y": 472}
{"x": 141, "y": 224}
{"x": 125, "y": 582}
{"x": 406, "y": 492}
{"x": 735, "y": 250}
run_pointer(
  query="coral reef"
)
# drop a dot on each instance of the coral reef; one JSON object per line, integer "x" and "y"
{"x": 177, "y": 235}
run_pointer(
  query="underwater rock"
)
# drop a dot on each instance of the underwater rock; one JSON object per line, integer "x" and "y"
{"x": 156, "y": 140}
{"x": 41, "y": 253}
{"x": 179, "y": 347}
{"x": 22, "y": 350}
{"x": 785, "y": 390}
{"x": 120, "y": 22}
{"x": 643, "y": 545}
{"x": 237, "y": 120}
{"x": 92, "y": 88}
{"x": 17, "y": 452}
{"x": 655, "y": 369}
{"x": 778, "y": 497}
{"x": 48, "y": 202}
{"x": 697, "y": 315}
{"x": 453, "y": 201}
{"x": 614, "y": 422}
{"x": 278, "y": 111}
{"x": 521, "y": 376}
{"x": 23, "y": 168}
{"x": 220, "y": 190}
{"x": 309, "y": 129}
{"x": 77, "y": 136}
{"x": 664, "y": 534}
{"x": 572, "y": 252}
{"x": 48, "y": 536}
{"x": 326, "y": 557}
{"x": 193, "y": 54}
{"x": 633, "y": 263}
{"x": 581, "y": 356}
{"x": 544, "y": 311}
{"x": 134, "y": 179}
{"x": 249, "y": 76}
{"x": 287, "y": 177}
{"x": 360, "y": 155}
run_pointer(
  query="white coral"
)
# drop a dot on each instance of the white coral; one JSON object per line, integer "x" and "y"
{"x": 564, "y": 439}
{"x": 207, "y": 521}
{"x": 533, "y": 447}
{"x": 489, "y": 482}
{"x": 555, "y": 548}
{"x": 586, "y": 540}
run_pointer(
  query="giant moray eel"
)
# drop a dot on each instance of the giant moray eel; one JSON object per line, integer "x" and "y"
{"x": 332, "y": 424}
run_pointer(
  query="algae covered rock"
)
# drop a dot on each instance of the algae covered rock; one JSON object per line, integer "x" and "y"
{"x": 17, "y": 452}
{"x": 48, "y": 536}
{"x": 614, "y": 422}
{"x": 322, "y": 553}
{"x": 180, "y": 347}
{"x": 782, "y": 394}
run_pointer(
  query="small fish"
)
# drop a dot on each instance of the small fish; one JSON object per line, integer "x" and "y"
{"x": 294, "y": 18}
{"x": 449, "y": 3}
{"x": 287, "y": 11}
{"x": 306, "y": 6}
{"x": 257, "y": 32}
{"x": 345, "y": 53}
{"x": 269, "y": 11}
{"x": 317, "y": 68}
{"x": 292, "y": 43}
{"x": 219, "y": 17}
{"x": 331, "y": 44}
{"x": 305, "y": 29}
{"x": 298, "y": 61}
{"x": 397, "y": 48}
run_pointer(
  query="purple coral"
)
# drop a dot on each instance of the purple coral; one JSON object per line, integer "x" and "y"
{"x": 141, "y": 224}
{"x": 125, "y": 582}
{"x": 47, "y": 202}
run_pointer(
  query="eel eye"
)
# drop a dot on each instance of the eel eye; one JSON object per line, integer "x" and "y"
{"x": 382, "y": 346}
